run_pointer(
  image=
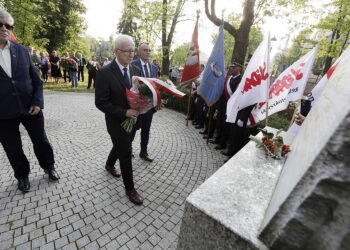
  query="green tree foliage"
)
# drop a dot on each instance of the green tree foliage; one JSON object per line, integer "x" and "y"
{"x": 255, "y": 38}
{"x": 332, "y": 33}
{"x": 153, "y": 21}
{"x": 47, "y": 24}
{"x": 179, "y": 55}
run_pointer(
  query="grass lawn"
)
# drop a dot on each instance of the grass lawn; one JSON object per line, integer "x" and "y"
{"x": 66, "y": 87}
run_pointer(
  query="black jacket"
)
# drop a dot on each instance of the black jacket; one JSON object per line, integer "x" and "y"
{"x": 110, "y": 93}
{"x": 24, "y": 89}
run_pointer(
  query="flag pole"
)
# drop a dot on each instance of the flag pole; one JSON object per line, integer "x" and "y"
{"x": 209, "y": 125}
{"x": 269, "y": 80}
{"x": 190, "y": 84}
{"x": 188, "y": 105}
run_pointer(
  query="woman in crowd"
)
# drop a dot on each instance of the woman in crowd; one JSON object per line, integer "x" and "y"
{"x": 55, "y": 66}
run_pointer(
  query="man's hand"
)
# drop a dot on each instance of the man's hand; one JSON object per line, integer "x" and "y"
{"x": 159, "y": 107}
{"x": 299, "y": 119}
{"x": 132, "y": 113}
{"x": 34, "y": 110}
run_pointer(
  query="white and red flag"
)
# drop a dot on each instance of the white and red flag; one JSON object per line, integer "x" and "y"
{"x": 191, "y": 69}
{"x": 318, "y": 89}
{"x": 288, "y": 87}
{"x": 254, "y": 84}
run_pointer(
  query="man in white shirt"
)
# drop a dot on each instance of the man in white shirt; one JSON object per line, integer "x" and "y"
{"x": 21, "y": 101}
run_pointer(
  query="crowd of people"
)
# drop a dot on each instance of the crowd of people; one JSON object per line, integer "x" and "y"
{"x": 69, "y": 67}
{"x": 229, "y": 137}
{"x": 20, "y": 106}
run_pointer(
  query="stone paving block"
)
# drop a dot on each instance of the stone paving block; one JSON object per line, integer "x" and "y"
{"x": 66, "y": 230}
{"x": 103, "y": 240}
{"x": 74, "y": 236}
{"x": 123, "y": 238}
{"x": 38, "y": 242}
{"x": 70, "y": 246}
{"x": 61, "y": 242}
{"x": 6, "y": 244}
{"x": 82, "y": 242}
{"x": 20, "y": 239}
{"x": 92, "y": 246}
{"x": 52, "y": 236}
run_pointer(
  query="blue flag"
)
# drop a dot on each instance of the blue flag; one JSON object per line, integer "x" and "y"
{"x": 212, "y": 79}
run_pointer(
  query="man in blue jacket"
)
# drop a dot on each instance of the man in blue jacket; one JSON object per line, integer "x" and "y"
{"x": 148, "y": 69}
{"x": 21, "y": 101}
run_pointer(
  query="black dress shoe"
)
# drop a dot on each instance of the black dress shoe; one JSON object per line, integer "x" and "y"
{"x": 134, "y": 196}
{"x": 206, "y": 137}
{"x": 24, "y": 185}
{"x": 226, "y": 154}
{"x": 214, "y": 141}
{"x": 199, "y": 126}
{"x": 113, "y": 171}
{"x": 145, "y": 157}
{"x": 53, "y": 176}
{"x": 219, "y": 147}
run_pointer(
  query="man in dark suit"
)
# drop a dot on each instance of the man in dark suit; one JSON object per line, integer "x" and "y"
{"x": 112, "y": 81}
{"x": 81, "y": 64}
{"x": 147, "y": 70}
{"x": 21, "y": 101}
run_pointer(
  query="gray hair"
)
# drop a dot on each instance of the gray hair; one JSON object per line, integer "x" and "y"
{"x": 142, "y": 43}
{"x": 122, "y": 39}
{"x": 6, "y": 16}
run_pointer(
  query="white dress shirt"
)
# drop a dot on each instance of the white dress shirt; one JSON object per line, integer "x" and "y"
{"x": 122, "y": 69}
{"x": 143, "y": 68}
{"x": 5, "y": 59}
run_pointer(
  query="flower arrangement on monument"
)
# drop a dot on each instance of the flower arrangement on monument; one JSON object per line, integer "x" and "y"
{"x": 145, "y": 95}
{"x": 272, "y": 144}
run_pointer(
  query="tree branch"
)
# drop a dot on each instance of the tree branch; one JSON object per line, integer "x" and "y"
{"x": 214, "y": 19}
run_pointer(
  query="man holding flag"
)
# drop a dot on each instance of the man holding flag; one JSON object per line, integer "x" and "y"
{"x": 255, "y": 82}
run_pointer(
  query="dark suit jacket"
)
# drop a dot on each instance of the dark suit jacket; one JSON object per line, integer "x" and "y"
{"x": 24, "y": 89}
{"x": 153, "y": 68}
{"x": 110, "y": 93}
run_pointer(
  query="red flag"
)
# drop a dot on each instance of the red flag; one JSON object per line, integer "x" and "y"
{"x": 12, "y": 37}
{"x": 191, "y": 69}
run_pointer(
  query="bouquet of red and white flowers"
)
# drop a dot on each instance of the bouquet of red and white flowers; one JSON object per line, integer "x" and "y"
{"x": 273, "y": 144}
{"x": 144, "y": 95}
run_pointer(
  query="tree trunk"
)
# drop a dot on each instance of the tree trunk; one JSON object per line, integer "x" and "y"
{"x": 165, "y": 49}
{"x": 328, "y": 62}
{"x": 165, "y": 59}
{"x": 241, "y": 45}
{"x": 241, "y": 35}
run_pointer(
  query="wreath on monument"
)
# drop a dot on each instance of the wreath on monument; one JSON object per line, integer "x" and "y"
{"x": 272, "y": 144}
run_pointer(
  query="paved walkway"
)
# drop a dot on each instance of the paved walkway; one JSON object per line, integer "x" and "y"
{"x": 88, "y": 208}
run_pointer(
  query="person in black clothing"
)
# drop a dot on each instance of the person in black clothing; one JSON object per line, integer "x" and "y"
{"x": 223, "y": 128}
{"x": 111, "y": 83}
{"x": 81, "y": 65}
{"x": 238, "y": 135}
{"x": 55, "y": 66}
{"x": 92, "y": 67}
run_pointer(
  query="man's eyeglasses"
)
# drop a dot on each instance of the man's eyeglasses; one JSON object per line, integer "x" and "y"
{"x": 127, "y": 51}
{"x": 7, "y": 26}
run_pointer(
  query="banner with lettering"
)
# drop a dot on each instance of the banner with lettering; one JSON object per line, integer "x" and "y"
{"x": 254, "y": 84}
{"x": 318, "y": 89}
{"x": 288, "y": 87}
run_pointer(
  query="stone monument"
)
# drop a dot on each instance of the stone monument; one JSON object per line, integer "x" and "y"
{"x": 254, "y": 202}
